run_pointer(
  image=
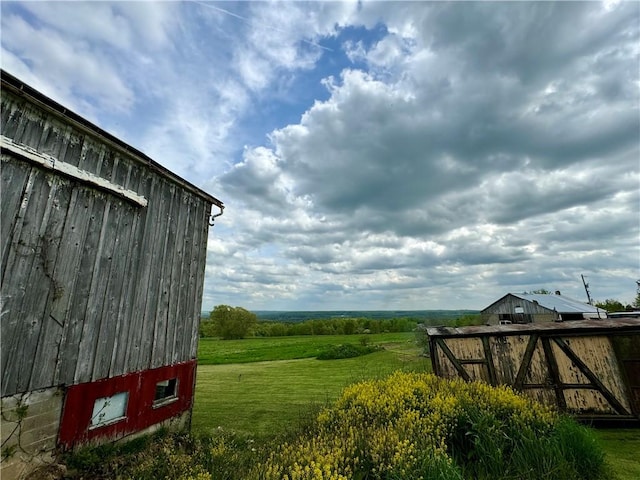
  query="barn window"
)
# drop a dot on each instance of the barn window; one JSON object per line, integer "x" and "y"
{"x": 108, "y": 410}
{"x": 166, "y": 391}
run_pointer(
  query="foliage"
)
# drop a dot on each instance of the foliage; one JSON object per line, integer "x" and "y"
{"x": 335, "y": 326}
{"x": 406, "y": 426}
{"x": 611, "y": 305}
{"x": 412, "y": 425}
{"x": 91, "y": 459}
{"x": 221, "y": 456}
{"x": 342, "y": 325}
{"x": 468, "y": 320}
{"x": 431, "y": 317}
{"x": 539, "y": 291}
{"x": 232, "y": 322}
{"x": 347, "y": 350}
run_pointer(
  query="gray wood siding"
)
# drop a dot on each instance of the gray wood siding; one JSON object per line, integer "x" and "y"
{"x": 509, "y": 303}
{"x": 92, "y": 285}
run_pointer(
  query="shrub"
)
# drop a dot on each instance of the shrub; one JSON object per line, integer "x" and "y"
{"x": 347, "y": 351}
{"x": 221, "y": 456}
{"x": 408, "y": 426}
{"x": 414, "y": 426}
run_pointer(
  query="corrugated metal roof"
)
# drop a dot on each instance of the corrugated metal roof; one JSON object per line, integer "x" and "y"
{"x": 560, "y": 303}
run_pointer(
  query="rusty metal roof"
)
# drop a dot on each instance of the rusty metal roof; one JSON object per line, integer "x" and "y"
{"x": 594, "y": 326}
{"x": 559, "y": 303}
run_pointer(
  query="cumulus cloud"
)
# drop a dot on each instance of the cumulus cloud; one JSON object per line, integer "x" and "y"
{"x": 478, "y": 136}
{"x": 373, "y": 155}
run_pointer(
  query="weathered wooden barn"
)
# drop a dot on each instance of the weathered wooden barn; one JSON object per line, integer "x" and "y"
{"x": 589, "y": 368}
{"x": 536, "y": 308}
{"x": 103, "y": 259}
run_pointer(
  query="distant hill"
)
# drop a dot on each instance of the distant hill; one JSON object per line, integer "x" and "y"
{"x": 301, "y": 316}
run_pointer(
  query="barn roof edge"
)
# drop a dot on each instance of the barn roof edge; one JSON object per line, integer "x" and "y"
{"x": 23, "y": 89}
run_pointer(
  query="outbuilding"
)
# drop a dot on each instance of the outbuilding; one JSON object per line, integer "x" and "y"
{"x": 537, "y": 308}
{"x": 103, "y": 260}
{"x": 590, "y": 369}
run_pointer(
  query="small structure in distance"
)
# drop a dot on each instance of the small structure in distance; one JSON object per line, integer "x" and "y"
{"x": 523, "y": 308}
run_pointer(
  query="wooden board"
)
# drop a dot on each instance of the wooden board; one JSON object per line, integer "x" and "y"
{"x": 574, "y": 367}
{"x": 94, "y": 283}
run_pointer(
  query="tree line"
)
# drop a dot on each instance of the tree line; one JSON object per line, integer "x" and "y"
{"x": 236, "y": 322}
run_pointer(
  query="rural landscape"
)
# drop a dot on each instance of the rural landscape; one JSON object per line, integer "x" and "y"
{"x": 305, "y": 406}
{"x": 319, "y": 240}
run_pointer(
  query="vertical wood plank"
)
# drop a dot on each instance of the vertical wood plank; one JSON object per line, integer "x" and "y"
{"x": 186, "y": 331}
{"x": 173, "y": 275}
{"x": 553, "y": 371}
{"x": 74, "y": 148}
{"x": 44, "y": 362}
{"x": 74, "y": 346}
{"x": 25, "y": 295}
{"x": 66, "y": 275}
{"x": 93, "y": 314}
{"x": 112, "y": 275}
{"x": 11, "y": 117}
{"x": 101, "y": 264}
{"x": 126, "y": 313}
{"x": 193, "y": 320}
{"x": 14, "y": 176}
{"x": 526, "y": 361}
{"x": 23, "y": 121}
{"x": 153, "y": 322}
{"x": 33, "y": 127}
{"x": 493, "y": 380}
{"x": 16, "y": 269}
{"x": 94, "y": 207}
{"x": 134, "y": 351}
{"x": 180, "y": 274}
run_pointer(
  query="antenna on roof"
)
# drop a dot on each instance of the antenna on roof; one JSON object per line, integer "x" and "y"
{"x": 586, "y": 289}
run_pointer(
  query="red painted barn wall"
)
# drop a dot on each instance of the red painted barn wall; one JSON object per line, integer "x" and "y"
{"x": 140, "y": 412}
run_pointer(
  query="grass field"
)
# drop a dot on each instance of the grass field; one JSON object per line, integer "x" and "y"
{"x": 267, "y": 397}
{"x": 262, "y": 387}
{"x": 212, "y": 351}
{"x": 622, "y": 447}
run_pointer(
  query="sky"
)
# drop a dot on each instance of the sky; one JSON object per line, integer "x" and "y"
{"x": 371, "y": 155}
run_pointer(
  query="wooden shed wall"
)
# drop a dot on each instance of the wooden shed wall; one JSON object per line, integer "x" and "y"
{"x": 576, "y": 369}
{"x": 92, "y": 284}
{"x": 509, "y": 303}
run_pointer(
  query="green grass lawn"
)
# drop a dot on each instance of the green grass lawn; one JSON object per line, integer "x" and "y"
{"x": 260, "y": 387}
{"x": 268, "y": 397}
{"x": 622, "y": 447}
{"x": 212, "y": 351}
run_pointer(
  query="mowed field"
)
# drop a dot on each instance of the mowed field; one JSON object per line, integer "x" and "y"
{"x": 284, "y": 381}
{"x": 262, "y": 387}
